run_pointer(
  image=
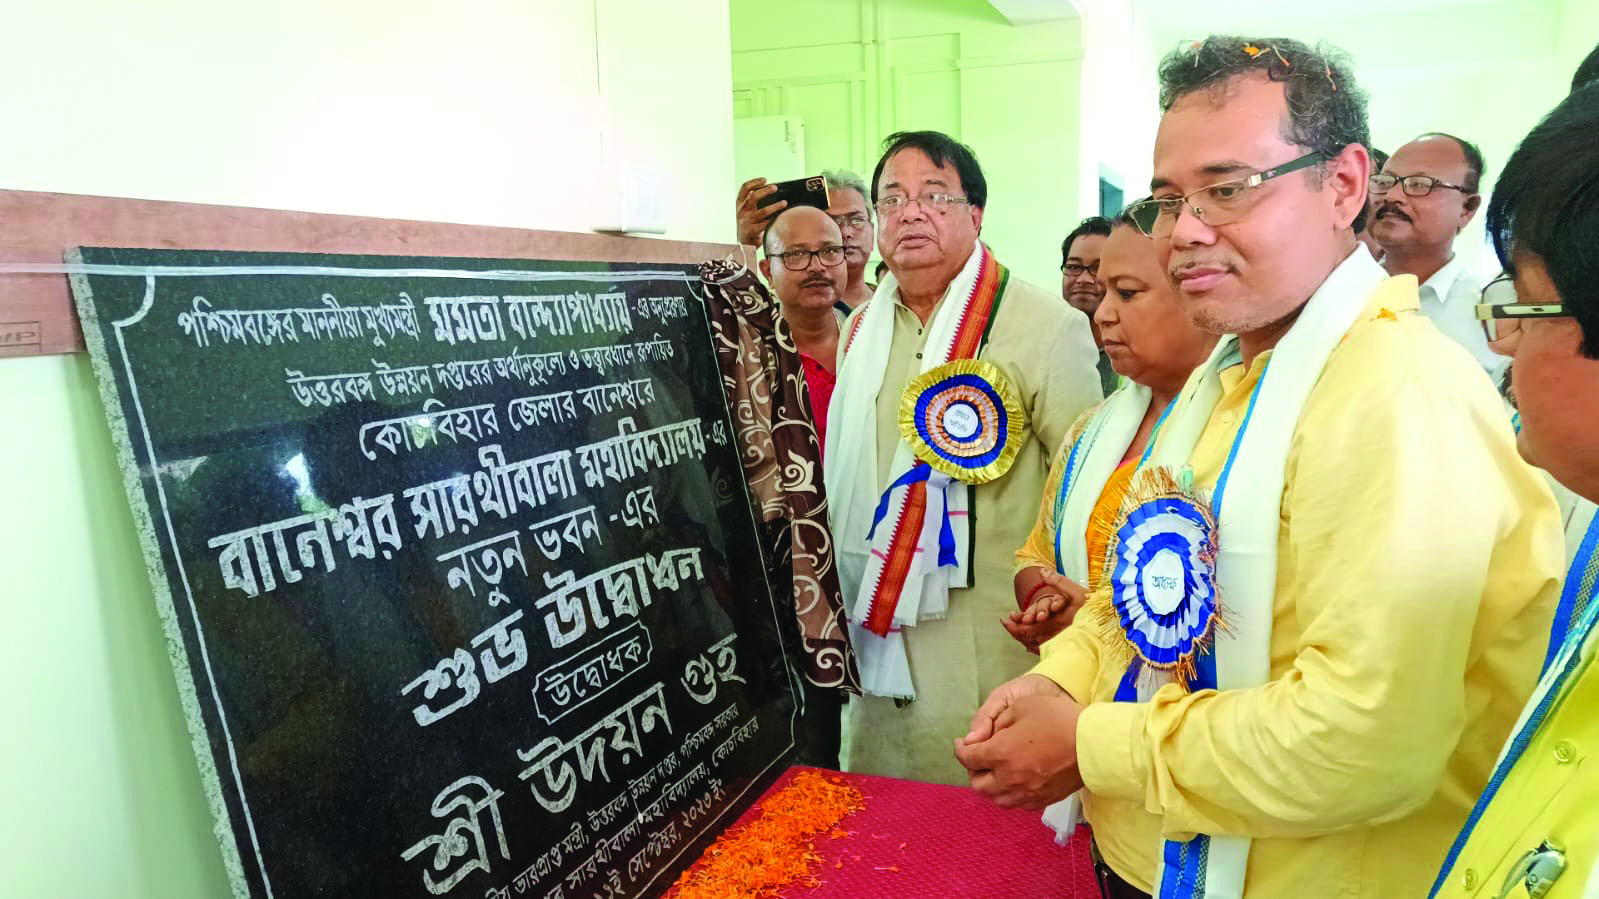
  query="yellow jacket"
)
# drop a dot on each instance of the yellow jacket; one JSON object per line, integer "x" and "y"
{"x": 1548, "y": 799}
{"x": 1419, "y": 563}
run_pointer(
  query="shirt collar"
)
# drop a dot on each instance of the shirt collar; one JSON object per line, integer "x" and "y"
{"x": 1443, "y": 279}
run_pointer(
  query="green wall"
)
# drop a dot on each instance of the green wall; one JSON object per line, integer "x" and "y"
{"x": 856, "y": 70}
{"x": 102, "y": 795}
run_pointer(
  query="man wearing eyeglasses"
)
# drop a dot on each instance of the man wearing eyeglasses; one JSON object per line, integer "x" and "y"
{"x": 1079, "y": 267}
{"x": 1334, "y": 576}
{"x": 956, "y": 383}
{"x": 846, "y": 193}
{"x": 805, "y": 264}
{"x": 1363, "y": 223}
{"x": 1422, "y": 198}
{"x": 1535, "y": 830}
{"x": 1080, "y": 284}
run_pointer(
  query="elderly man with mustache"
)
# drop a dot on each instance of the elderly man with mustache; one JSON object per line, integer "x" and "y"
{"x": 1425, "y": 195}
{"x": 956, "y": 382}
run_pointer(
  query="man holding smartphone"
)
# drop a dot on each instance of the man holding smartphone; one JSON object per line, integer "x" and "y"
{"x": 848, "y": 209}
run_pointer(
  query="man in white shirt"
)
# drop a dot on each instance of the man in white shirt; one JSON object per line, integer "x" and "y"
{"x": 1424, "y": 196}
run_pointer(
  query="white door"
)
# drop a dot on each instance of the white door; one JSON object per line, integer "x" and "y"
{"x": 770, "y": 147}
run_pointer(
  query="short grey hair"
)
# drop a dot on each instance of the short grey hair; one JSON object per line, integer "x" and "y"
{"x": 843, "y": 179}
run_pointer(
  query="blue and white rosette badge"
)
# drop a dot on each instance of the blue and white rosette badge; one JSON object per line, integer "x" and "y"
{"x": 963, "y": 419}
{"x": 1162, "y": 584}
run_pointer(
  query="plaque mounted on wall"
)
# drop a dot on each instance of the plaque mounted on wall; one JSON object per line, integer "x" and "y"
{"x": 455, "y": 561}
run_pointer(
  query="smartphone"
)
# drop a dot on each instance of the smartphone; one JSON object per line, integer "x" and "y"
{"x": 810, "y": 191}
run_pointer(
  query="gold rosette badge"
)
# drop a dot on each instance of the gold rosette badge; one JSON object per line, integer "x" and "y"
{"x": 964, "y": 419}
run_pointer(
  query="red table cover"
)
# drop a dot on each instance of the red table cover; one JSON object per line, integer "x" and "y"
{"x": 945, "y": 841}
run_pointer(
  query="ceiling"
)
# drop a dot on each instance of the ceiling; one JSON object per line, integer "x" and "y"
{"x": 1028, "y": 12}
{"x": 1256, "y": 16}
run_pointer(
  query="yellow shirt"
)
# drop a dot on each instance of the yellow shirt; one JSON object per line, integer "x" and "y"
{"x": 1550, "y": 794}
{"x": 1046, "y": 350}
{"x": 1418, "y": 568}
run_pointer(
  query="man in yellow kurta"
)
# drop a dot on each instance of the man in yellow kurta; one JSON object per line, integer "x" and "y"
{"x": 1385, "y": 565}
{"x": 927, "y": 635}
{"x": 1535, "y": 830}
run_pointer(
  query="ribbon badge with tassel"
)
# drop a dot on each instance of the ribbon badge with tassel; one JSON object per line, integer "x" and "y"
{"x": 963, "y": 422}
{"x": 1160, "y": 596}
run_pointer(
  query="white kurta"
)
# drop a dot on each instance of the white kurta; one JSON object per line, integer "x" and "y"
{"x": 1046, "y": 350}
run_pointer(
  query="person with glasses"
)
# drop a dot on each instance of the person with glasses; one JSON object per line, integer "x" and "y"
{"x": 805, "y": 262}
{"x": 1363, "y": 223}
{"x": 1422, "y": 198}
{"x": 955, "y": 382}
{"x": 846, "y": 194}
{"x": 1079, "y": 266}
{"x": 1535, "y": 830}
{"x": 1576, "y": 512}
{"x": 1332, "y": 577}
{"x": 775, "y": 353}
{"x": 1150, "y": 340}
{"x": 1080, "y": 284}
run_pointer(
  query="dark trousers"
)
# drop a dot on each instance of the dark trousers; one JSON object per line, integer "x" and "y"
{"x": 1111, "y": 885}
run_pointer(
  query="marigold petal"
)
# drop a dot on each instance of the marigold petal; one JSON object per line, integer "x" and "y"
{"x": 775, "y": 850}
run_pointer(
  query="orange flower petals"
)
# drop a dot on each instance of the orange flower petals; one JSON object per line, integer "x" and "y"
{"x": 774, "y": 850}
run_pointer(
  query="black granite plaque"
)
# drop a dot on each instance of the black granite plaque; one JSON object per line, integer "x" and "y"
{"x": 455, "y": 560}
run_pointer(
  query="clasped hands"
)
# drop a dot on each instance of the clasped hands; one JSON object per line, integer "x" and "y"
{"x": 1055, "y": 601}
{"x": 1022, "y": 747}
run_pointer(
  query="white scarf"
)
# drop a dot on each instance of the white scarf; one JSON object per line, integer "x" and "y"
{"x": 1246, "y": 565}
{"x": 850, "y": 475}
{"x": 1090, "y": 462}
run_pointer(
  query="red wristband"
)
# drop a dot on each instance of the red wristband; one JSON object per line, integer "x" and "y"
{"x": 1032, "y": 593}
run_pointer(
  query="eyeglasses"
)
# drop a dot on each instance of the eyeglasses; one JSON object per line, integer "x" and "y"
{"x": 897, "y": 205}
{"x": 1414, "y": 185}
{"x": 1075, "y": 270}
{"x": 1219, "y": 204}
{"x": 853, "y": 220}
{"x": 800, "y": 260}
{"x": 1501, "y": 314}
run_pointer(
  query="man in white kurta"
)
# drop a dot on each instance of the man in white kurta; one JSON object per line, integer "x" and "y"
{"x": 930, "y": 196}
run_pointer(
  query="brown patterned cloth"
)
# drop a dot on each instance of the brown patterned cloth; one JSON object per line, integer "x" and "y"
{"x": 764, "y": 380}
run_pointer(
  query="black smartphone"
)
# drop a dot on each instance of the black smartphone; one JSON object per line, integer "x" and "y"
{"x": 810, "y": 191}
